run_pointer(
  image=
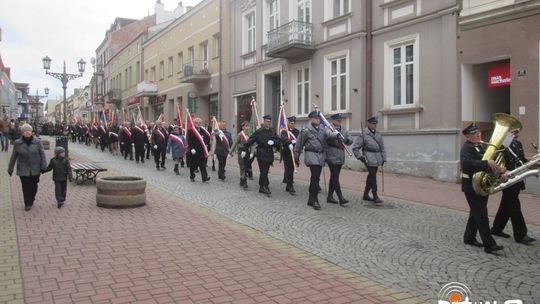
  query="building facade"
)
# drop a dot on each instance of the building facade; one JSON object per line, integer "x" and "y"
{"x": 498, "y": 51}
{"x": 186, "y": 65}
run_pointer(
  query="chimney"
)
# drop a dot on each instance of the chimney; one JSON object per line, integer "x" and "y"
{"x": 159, "y": 10}
{"x": 180, "y": 10}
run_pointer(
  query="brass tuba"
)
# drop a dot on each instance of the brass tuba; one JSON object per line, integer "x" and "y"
{"x": 519, "y": 174}
{"x": 483, "y": 182}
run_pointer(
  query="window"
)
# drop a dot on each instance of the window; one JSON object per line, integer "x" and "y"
{"x": 340, "y": 7}
{"x": 180, "y": 62}
{"x": 126, "y": 79}
{"x": 146, "y": 75}
{"x": 303, "y": 10}
{"x": 170, "y": 66}
{"x": 217, "y": 45}
{"x": 249, "y": 39}
{"x": 130, "y": 82}
{"x": 401, "y": 72}
{"x": 302, "y": 90}
{"x": 213, "y": 109}
{"x": 336, "y": 81}
{"x": 204, "y": 54}
{"x": 137, "y": 79}
{"x": 273, "y": 14}
{"x": 191, "y": 55}
{"x": 161, "y": 70}
{"x": 192, "y": 104}
{"x": 153, "y": 73}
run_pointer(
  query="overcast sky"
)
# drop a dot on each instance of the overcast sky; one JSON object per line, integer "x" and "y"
{"x": 64, "y": 30}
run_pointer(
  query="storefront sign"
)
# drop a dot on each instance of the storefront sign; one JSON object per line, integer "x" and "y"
{"x": 132, "y": 101}
{"x": 499, "y": 75}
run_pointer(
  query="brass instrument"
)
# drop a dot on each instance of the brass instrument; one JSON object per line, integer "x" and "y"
{"x": 483, "y": 182}
{"x": 519, "y": 174}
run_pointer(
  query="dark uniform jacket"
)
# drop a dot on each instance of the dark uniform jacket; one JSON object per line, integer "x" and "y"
{"x": 159, "y": 141}
{"x": 286, "y": 141}
{"x": 471, "y": 162}
{"x": 198, "y": 158}
{"x": 124, "y": 137}
{"x": 511, "y": 162}
{"x": 265, "y": 152}
{"x": 139, "y": 136}
{"x": 222, "y": 148}
{"x": 313, "y": 141}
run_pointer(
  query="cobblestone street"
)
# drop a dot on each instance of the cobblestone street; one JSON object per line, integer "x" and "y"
{"x": 401, "y": 251}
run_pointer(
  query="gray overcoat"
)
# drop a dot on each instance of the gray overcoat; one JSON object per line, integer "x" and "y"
{"x": 372, "y": 146}
{"x": 335, "y": 154}
{"x": 313, "y": 141}
{"x": 30, "y": 158}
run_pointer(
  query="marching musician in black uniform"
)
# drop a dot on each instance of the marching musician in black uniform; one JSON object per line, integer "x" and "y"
{"x": 335, "y": 158}
{"x": 267, "y": 141}
{"x": 196, "y": 158}
{"x": 243, "y": 154}
{"x": 140, "y": 139}
{"x": 126, "y": 140}
{"x": 103, "y": 136}
{"x": 149, "y": 128}
{"x": 223, "y": 140}
{"x": 510, "y": 207}
{"x": 471, "y": 162}
{"x": 288, "y": 140}
{"x": 159, "y": 144}
{"x": 312, "y": 140}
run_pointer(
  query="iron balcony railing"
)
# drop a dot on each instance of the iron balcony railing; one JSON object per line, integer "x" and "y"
{"x": 115, "y": 94}
{"x": 292, "y": 33}
{"x": 195, "y": 68}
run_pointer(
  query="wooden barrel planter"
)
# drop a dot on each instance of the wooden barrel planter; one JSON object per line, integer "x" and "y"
{"x": 46, "y": 144}
{"x": 121, "y": 192}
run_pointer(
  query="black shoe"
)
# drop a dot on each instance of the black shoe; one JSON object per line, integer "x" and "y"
{"x": 163, "y": 167}
{"x": 367, "y": 198}
{"x": 501, "y": 234}
{"x": 27, "y": 208}
{"x": 526, "y": 240}
{"x": 342, "y": 200}
{"x": 60, "y": 204}
{"x": 331, "y": 200}
{"x": 206, "y": 179}
{"x": 157, "y": 168}
{"x": 474, "y": 243}
{"x": 267, "y": 190}
{"x": 291, "y": 190}
{"x": 137, "y": 161}
{"x": 493, "y": 249}
{"x": 376, "y": 198}
{"x": 264, "y": 190}
{"x": 192, "y": 179}
{"x": 316, "y": 205}
{"x": 250, "y": 177}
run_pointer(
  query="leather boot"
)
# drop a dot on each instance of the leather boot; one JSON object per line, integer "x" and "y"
{"x": 243, "y": 183}
{"x": 176, "y": 169}
{"x": 342, "y": 200}
{"x": 316, "y": 204}
{"x": 376, "y": 198}
{"x": 330, "y": 199}
{"x": 366, "y": 196}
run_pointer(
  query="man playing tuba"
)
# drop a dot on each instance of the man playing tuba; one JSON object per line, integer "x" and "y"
{"x": 471, "y": 162}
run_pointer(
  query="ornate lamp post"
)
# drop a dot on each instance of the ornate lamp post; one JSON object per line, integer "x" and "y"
{"x": 63, "y": 77}
{"x": 35, "y": 101}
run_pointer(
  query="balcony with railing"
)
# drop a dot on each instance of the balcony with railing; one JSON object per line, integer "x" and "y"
{"x": 195, "y": 71}
{"x": 293, "y": 39}
{"x": 114, "y": 95}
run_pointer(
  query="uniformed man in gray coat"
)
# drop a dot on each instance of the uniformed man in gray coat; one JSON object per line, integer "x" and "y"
{"x": 369, "y": 148}
{"x": 335, "y": 158}
{"x": 312, "y": 140}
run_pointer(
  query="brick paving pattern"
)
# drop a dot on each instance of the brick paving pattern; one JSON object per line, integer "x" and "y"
{"x": 170, "y": 251}
{"x": 215, "y": 243}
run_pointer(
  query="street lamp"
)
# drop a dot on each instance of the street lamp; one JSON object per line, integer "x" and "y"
{"x": 63, "y": 77}
{"x": 35, "y": 103}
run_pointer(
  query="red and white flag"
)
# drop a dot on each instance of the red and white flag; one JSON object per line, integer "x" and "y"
{"x": 176, "y": 139}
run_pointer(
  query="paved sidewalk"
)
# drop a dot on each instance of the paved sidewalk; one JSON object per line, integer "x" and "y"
{"x": 170, "y": 251}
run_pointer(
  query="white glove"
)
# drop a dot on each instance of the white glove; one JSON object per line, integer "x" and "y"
{"x": 290, "y": 147}
{"x": 270, "y": 142}
{"x": 133, "y": 144}
{"x": 193, "y": 151}
{"x": 155, "y": 147}
{"x": 243, "y": 154}
{"x": 121, "y": 143}
{"x": 293, "y": 141}
{"x": 251, "y": 155}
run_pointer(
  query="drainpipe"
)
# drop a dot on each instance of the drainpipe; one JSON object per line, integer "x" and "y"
{"x": 369, "y": 59}
{"x": 220, "y": 41}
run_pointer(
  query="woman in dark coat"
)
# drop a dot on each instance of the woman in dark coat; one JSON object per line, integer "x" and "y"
{"x": 30, "y": 157}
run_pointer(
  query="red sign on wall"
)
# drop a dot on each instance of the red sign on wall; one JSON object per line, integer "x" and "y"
{"x": 132, "y": 100}
{"x": 499, "y": 75}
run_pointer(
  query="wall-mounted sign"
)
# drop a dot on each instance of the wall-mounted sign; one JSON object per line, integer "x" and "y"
{"x": 499, "y": 75}
{"x": 132, "y": 100}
